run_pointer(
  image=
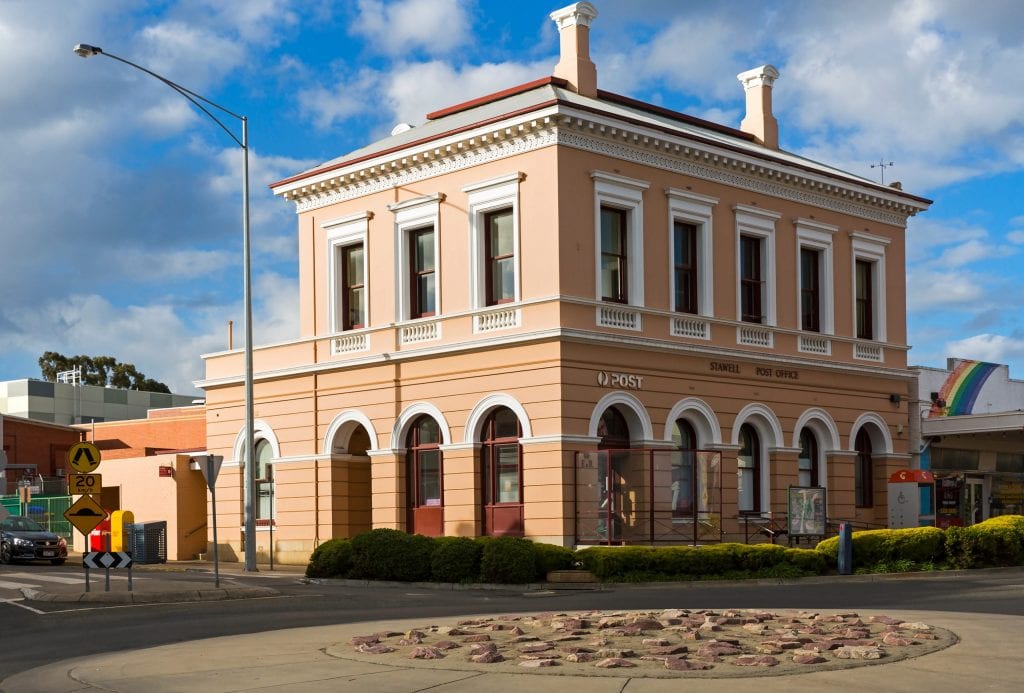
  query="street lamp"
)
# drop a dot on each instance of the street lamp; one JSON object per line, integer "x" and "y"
{"x": 248, "y": 457}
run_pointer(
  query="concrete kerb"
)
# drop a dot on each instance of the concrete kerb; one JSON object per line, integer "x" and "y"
{"x": 158, "y": 597}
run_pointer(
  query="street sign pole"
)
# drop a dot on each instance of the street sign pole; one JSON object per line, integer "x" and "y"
{"x": 211, "y": 476}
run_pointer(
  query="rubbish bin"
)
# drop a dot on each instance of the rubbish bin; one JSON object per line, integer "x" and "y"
{"x": 845, "y": 556}
{"x": 98, "y": 537}
{"x": 147, "y": 541}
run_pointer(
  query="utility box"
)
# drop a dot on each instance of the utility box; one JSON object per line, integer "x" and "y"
{"x": 147, "y": 541}
{"x": 911, "y": 495}
{"x": 119, "y": 520}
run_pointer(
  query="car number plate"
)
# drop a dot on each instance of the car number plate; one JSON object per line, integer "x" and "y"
{"x": 47, "y": 554}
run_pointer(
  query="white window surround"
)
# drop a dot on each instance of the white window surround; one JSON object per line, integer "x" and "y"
{"x": 623, "y": 193}
{"x": 817, "y": 236}
{"x": 489, "y": 196}
{"x": 870, "y": 248}
{"x": 411, "y": 215}
{"x": 345, "y": 231}
{"x": 758, "y": 223}
{"x": 695, "y": 209}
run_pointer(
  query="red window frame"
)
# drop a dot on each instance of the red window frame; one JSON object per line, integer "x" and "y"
{"x": 810, "y": 290}
{"x": 751, "y": 282}
{"x": 493, "y": 259}
{"x": 754, "y": 442}
{"x": 417, "y": 300}
{"x": 864, "y": 491}
{"x": 618, "y": 255}
{"x": 865, "y": 299}
{"x": 348, "y": 287}
{"x": 685, "y": 246}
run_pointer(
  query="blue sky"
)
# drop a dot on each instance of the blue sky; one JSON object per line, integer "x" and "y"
{"x": 121, "y": 204}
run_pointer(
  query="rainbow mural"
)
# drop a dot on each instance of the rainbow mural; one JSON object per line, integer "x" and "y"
{"x": 960, "y": 391}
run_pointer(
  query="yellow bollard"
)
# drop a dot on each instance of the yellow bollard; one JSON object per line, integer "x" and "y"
{"x": 118, "y": 520}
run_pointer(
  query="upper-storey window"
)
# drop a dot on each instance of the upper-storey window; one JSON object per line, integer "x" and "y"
{"x": 353, "y": 286}
{"x": 755, "y": 264}
{"x": 684, "y": 267}
{"x": 690, "y": 255}
{"x": 869, "y": 286}
{"x": 614, "y": 256}
{"x": 417, "y": 260}
{"x": 494, "y": 240}
{"x": 500, "y": 254}
{"x": 815, "y": 288}
{"x": 618, "y": 235}
{"x": 863, "y": 279}
{"x": 347, "y": 263}
{"x": 422, "y": 279}
{"x": 810, "y": 290}
{"x": 751, "y": 281}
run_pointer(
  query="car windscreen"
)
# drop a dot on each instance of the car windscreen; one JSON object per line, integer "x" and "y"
{"x": 21, "y": 524}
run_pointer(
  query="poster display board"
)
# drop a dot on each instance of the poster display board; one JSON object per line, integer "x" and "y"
{"x": 807, "y": 511}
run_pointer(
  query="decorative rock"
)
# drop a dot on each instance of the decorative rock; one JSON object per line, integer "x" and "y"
{"x": 614, "y": 663}
{"x": 456, "y": 631}
{"x": 808, "y": 659}
{"x": 614, "y": 653}
{"x": 916, "y": 626}
{"x": 769, "y": 649}
{"x": 820, "y": 646}
{"x": 895, "y": 640}
{"x": 524, "y": 638}
{"x": 647, "y": 624}
{"x": 413, "y": 634}
{"x": 655, "y": 642}
{"x": 516, "y": 630}
{"x": 574, "y": 649}
{"x": 366, "y": 648}
{"x": 669, "y": 650}
{"x": 755, "y": 661}
{"x": 540, "y": 647}
{"x": 580, "y": 657}
{"x": 679, "y": 664}
{"x": 859, "y": 652}
{"x": 426, "y": 653}
{"x": 446, "y": 645}
{"x": 536, "y": 663}
{"x": 479, "y": 637}
{"x": 718, "y": 650}
{"x": 691, "y": 635}
{"x": 887, "y": 620}
{"x": 487, "y": 658}
{"x": 480, "y": 648}
{"x": 364, "y": 639}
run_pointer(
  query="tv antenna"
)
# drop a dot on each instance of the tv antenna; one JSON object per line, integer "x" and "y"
{"x": 882, "y": 165}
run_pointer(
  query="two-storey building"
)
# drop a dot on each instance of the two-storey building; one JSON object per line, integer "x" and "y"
{"x": 562, "y": 313}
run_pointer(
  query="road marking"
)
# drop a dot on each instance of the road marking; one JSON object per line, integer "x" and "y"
{"x": 43, "y": 577}
{"x": 14, "y": 585}
{"x": 17, "y": 602}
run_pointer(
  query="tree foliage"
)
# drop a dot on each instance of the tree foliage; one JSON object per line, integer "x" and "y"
{"x": 103, "y": 371}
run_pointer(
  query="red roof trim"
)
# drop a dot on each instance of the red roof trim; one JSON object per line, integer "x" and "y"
{"x": 676, "y": 115}
{"x": 497, "y": 96}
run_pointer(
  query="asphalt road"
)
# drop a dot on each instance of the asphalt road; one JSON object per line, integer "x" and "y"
{"x": 29, "y": 639}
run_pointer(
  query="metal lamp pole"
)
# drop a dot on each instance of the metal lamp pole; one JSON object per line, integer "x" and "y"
{"x": 248, "y": 456}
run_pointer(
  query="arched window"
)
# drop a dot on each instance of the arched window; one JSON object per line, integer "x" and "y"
{"x": 614, "y": 430}
{"x": 683, "y": 468}
{"x": 501, "y": 462}
{"x": 425, "y": 477}
{"x": 808, "y": 474}
{"x": 501, "y": 459}
{"x": 264, "y": 482}
{"x": 748, "y": 463}
{"x": 863, "y": 471}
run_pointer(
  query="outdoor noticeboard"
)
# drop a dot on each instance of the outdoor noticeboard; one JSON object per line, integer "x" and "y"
{"x": 85, "y": 514}
{"x": 84, "y": 457}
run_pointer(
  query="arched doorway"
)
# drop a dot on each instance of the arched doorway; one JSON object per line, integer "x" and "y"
{"x": 809, "y": 461}
{"x": 863, "y": 471}
{"x": 264, "y": 483}
{"x": 615, "y": 474}
{"x": 501, "y": 462}
{"x": 684, "y": 490}
{"x": 748, "y": 463}
{"x": 425, "y": 475}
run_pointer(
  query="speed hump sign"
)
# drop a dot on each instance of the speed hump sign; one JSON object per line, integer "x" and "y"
{"x": 84, "y": 457}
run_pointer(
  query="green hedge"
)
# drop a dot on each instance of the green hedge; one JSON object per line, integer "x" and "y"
{"x": 508, "y": 560}
{"x": 874, "y": 546}
{"x": 998, "y": 541}
{"x": 333, "y": 558}
{"x": 455, "y": 559}
{"x": 387, "y": 554}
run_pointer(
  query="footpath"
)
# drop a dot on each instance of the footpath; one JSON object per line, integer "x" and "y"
{"x": 986, "y": 655}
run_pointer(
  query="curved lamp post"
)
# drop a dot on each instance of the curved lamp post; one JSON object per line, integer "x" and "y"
{"x": 249, "y": 459}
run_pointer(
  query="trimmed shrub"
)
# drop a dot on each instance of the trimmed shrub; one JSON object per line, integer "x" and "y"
{"x": 616, "y": 562}
{"x": 998, "y": 541}
{"x": 807, "y": 560}
{"x": 455, "y": 559}
{"x": 332, "y": 559}
{"x": 759, "y": 556}
{"x": 387, "y": 554}
{"x": 508, "y": 560}
{"x": 891, "y": 546}
{"x": 550, "y": 557}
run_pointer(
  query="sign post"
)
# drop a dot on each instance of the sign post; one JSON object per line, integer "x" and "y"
{"x": 211, "y": 468}
{"x": 85, "y": 514}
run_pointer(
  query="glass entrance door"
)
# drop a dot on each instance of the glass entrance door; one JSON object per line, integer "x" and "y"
{"x": 975, "y": 507}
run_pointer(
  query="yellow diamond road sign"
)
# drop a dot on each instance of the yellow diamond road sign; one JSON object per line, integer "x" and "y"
{"x": 83, "y": 457}
{"x": 85, "y": 514}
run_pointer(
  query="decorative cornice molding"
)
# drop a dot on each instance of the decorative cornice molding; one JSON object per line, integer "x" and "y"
{"x": 564, "y": 125}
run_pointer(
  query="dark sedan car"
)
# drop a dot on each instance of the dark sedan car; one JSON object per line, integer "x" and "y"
{"x": 24, "y": 539}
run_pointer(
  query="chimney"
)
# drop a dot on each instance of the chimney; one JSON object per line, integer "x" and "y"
{"x": 759, "y": 120}
{"x": 574, "y": 64}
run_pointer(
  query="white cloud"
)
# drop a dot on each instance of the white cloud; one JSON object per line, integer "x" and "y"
{"x": 994, "y": 348}
{"x": 933, "y": 290}
{"x": 436, "y": 27}
{"x": 1015, "y": 237}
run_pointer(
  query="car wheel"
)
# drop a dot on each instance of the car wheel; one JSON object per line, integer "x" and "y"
{"x": 58, "y": 561}
{"x": 5, "y": 554}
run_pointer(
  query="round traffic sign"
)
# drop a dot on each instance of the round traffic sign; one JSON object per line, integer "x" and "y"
{"x": 84, "y": 457}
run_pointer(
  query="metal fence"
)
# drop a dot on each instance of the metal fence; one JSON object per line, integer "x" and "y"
{"x": 46, "y": 510}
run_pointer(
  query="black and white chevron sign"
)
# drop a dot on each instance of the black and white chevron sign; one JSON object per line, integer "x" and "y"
{"x": 107, "y": 559}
